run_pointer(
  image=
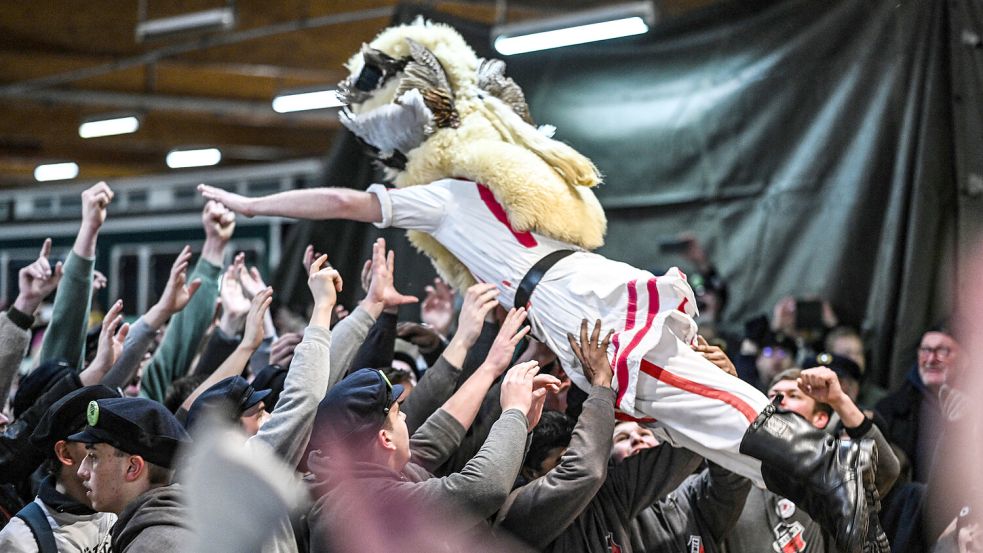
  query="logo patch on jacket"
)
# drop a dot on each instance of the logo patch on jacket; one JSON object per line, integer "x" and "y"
{"x": 790, "y": 538}
{"x": 695, "y": 544}
{"x": 613, "y": 547}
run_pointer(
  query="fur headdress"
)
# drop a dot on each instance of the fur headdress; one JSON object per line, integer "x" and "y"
{"x": 429, "y": 108}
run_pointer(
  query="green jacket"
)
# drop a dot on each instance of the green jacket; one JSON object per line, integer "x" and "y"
{"x": 65, "y": 337}
{"x": 184, "y": 333}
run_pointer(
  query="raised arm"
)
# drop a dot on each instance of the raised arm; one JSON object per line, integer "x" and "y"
{"x": 65, "y": 338}
{"x": 309, "y": 203}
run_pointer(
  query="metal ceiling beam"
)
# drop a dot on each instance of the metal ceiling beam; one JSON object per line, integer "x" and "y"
{"x": 60, "y": 79}
{"x": 254, "y": 112}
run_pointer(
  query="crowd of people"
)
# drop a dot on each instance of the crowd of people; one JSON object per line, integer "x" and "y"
{"x": 455, "y": 432}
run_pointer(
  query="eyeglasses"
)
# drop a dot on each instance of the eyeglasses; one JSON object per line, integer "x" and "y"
{"x": 942, "y": 351}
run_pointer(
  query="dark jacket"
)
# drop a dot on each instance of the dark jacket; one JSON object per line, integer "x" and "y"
{"x": 913, "y": 422}
{"x": 367, "y": 506}
{"x": 154, "y": 522}
{"x": 584, "y": 504}
{"x": 694, "y": 517}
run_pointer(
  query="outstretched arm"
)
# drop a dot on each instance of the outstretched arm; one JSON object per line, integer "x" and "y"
{"x": 310, "y": 203}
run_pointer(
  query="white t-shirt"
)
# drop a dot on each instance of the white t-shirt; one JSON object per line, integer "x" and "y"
{"x": 466, "y": 219}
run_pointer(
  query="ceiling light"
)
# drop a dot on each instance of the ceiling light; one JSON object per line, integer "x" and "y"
{"x": 207, "y": 20}
{"x": 56, "y": 171}
{"x": 578, "y": 28}
{"x": 286, "y": 102}
{"x": 109, "y": 126}
{"x": 178, "y": 159}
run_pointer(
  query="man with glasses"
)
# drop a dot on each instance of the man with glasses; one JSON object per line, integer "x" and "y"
{"x": 913, "y": 414}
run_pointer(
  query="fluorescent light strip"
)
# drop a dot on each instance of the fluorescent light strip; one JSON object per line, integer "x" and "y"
{"x": 109, "y": 127}
{"x": 178, "y": 159}
{"x": 56, "y": 171}
{"x": 302, "y": 101}
{"x": 508, "y": 45}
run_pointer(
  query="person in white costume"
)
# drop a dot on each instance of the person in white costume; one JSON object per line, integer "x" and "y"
{"x": 456, "y": 144}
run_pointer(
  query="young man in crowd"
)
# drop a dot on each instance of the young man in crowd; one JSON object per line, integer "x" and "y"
{"x": 772, "y": 522}
{"x": 131, "y": 445}
{"x": 61, "y": 515}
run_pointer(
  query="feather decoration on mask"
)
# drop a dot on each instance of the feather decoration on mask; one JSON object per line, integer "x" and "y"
{"x": 425, "y": 73}
{"x": 492, "y": 79}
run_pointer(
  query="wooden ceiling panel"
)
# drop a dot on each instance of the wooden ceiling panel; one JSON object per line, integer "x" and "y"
{"x": 62, "y": 60}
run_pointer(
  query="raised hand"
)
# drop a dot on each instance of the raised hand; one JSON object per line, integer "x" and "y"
{"x": 219, "y": 221}
{"x": 36, "y": 281}
{"x": 518, "y": 390}
{"x": 177, "y": 293}
{"x": 309, "y": 256}
{"x": 822, "y": 385}
{"x": 381, "y": 288}
{"x": 592, "y": 353}
{"x": 250, "y": 279}
{"x": 714, "y": 355}
{"x": 542, "y": 384}
{"x": 420, "y": 335}
{"x": 95, "y": 200}
{"x": 111, "y": 339}
{"x": 282, "y": 349}
{"x": 325, "y": 283}
{"x": 235, "y": 202}
{"x": 253, "y": 334}
{"x": 235, "y": 304}
{"x": 509, "y": 335}
{"x": 99, "y": 281}
{"x": 437, "y": 309}
{"x": 479, "y": 300}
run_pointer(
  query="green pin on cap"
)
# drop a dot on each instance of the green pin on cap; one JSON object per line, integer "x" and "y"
{"x": 92, "y": 413}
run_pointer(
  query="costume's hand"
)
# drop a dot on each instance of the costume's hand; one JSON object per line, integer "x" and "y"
{"x": 235, "y": 202}
{"x": 36, "y": 281}
{"x": 420, "y": 335}
{"x": 437, "y": 309}
{"x": 479, "y": 300}
{"x": 509, "y": 336}
{"x": 592, "y": 353}
{"x": 282, "y": 349}
{"x": 714, "y": 355}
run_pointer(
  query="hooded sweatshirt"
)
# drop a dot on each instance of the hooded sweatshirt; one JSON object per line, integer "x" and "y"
{"x": 74, "y": 526}
{"x": 154, "y": 522}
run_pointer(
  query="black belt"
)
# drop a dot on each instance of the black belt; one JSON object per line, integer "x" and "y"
{"x": 535, "y": 274}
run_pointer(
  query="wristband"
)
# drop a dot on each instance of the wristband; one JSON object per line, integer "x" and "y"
{"x": 19, "y": 318}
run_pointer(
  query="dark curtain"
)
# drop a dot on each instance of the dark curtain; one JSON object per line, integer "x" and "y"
{"x": 809, "y": 144}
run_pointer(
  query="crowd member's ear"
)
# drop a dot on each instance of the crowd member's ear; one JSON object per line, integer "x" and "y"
{"x": 135, "y": 468}
{"x": 61, "y": 450}
{"x": 385, "y": 440}
{"x": 820, "y": 419}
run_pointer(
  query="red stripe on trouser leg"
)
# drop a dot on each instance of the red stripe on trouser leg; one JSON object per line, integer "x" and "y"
{"x": 666, "y": 377}
{"x": 622, "y": 361}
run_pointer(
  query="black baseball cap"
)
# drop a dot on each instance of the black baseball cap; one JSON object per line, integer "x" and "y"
{"x": 35, "y": 383}
{"x": 67, "y": 415}
{"x": 843, "y": 366}
{"x": 234, "y": 394}
{"x": 136, "y": 425}
{"x": 356, "y": 407}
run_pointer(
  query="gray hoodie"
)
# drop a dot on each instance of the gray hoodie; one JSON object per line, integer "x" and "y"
{"x": 154, "y": 522}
